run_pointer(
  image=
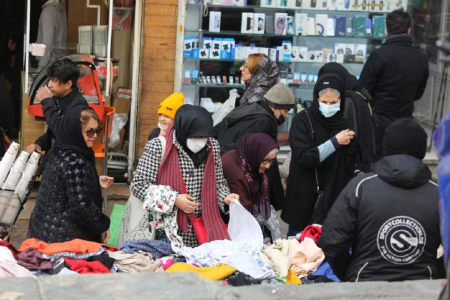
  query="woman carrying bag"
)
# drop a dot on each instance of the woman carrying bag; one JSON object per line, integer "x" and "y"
{"x": 323, "y": 156}
{"x": 186, "y": 184}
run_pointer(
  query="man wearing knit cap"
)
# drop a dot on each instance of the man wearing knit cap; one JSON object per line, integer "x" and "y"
{"x": 166, "y": 112}
{"x": 261, "y": 117}
{"x": 390, "y": 217}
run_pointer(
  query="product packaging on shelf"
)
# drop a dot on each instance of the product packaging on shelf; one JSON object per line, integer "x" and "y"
{"x": 259, "y": 23}
{"x": 321, "y": 24}
{"x": 302, "y": 53}
{"x": 268, "y": 3}
{"x": 290, "y": 27}
{"x": 269, "y": 27}
{"x": 214, "y": 21}
{"x": 247, "y": 22}
{"x": 287, "y": 49}
{"x": 273, "y": 54}
{"x": 204, "y": 53}
{"x": 360, "y": 53}
{"x": 294, "y": 53}
{"x": 349, "y": 49}
{"x": 194, "y": 79}
{"x": 301, "y": 23}
{"x": 379, "y": 27}
{"x": 332, "y": 4}
{"x": 311, "y": 29}
{"x": 359, "y": 22}
{"x": 349, "y": 27}
{"x": 282, "y": 3}
{"x": 187, "y": 47}
{"x": 368, "y": 28}
{"x": 330, "y": 27}
{"x": 216, "y": 46}
{"x": 339, "y": 48}
{"x": 340, "y": 25}
{"x": 195, "y": 47}
{"x": 280, "y": 22}
{"x": 225, "y": 52}
{"x": 296, "y": 4}
{"x": 187, "y": 76}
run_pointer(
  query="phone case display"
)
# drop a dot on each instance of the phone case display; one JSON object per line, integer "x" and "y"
{"x": 214, "y": 21}
{"x": 300, "y": 35}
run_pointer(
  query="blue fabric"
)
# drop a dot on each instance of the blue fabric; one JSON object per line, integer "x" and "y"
{"x": 325, "y": 270}
{"x": 292, "y": 231}
{"x": 441, "y": 140}
{"x": 157, "y": 249}
{"x": 326, "y": 149}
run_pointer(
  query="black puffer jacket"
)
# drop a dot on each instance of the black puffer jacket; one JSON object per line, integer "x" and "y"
{"x": 66, "y": 206}
{"x": 390, "y": 219}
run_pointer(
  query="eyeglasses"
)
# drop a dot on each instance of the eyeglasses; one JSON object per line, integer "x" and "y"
{"x": 267, "y": 161}
{"x": 90, "y": 132}
{"x": 244, "y": 65}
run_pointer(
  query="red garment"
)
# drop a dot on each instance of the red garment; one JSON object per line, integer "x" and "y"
{"x": 170, "y": 174}
{"x": 74, "y": 246}
{"x": 86, "y": 267}
{"x": 312, "y": 232}
{"x": 10, "y": 247}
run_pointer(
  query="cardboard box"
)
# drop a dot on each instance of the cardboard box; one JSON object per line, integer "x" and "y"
{"x": 214, "y": 21}
{"x": 247, "y": 23}
{"x": 259, "y": 23}
{"x": 121, "y": 105}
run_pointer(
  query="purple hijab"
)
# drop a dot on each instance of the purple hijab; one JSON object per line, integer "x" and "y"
{"x": 249, "y": 154}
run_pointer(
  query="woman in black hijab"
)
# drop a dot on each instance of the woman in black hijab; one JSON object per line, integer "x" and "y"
{"x": 69, "y": 201}
{"x": 323, "y": 156}
{"x": 179, "y": 178}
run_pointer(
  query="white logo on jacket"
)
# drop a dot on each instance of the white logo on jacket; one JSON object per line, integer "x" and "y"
{"x": 401, "y": 240}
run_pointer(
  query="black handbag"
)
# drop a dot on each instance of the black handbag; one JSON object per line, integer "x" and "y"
{"x": 317, "y": 215}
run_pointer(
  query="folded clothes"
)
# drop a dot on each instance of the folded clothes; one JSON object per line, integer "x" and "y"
{"x": 74, "y": 246}
{"x": 212, "y": 273}
{"x": 86, "y": 267}
{"x": 135, "y": 262}
{"x": 104, "y": 258}
{"x": 30, "y": 258}
{"x": 156, "y": 248}
{"x": 8, "y": 269}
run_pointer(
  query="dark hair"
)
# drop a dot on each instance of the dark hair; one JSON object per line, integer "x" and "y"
{"x": 398, "y": 22}
{"x": 64, "y": 70}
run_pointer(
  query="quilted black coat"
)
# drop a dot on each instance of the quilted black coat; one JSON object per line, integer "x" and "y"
{"x": 67, "y": 206}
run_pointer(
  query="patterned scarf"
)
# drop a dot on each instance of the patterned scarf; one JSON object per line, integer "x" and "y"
{"x": 170, "y": 174}
{"x": 263, "y": 78}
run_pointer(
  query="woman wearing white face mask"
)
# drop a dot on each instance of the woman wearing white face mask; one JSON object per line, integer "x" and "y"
{"x": 186, "y": 183}
{"x": 328, "y": 151}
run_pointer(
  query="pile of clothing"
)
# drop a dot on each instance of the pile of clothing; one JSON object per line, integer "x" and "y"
{"x": 243, "y": 260}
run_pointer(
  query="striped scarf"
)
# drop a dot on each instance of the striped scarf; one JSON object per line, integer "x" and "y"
{"x": 170, "y": 174}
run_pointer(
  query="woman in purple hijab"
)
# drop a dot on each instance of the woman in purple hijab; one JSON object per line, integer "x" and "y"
{"x": 245, "y": 171}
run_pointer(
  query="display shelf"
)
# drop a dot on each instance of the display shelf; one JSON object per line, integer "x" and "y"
{"x": 297, "y": 86}
{"x": 193, "y": 5}
{"x": 223, "y": 85}
{"x": 273, "y": 35}
{"x": 281, "y": 62}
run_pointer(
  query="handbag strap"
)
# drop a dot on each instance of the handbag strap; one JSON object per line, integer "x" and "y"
{"x": 313, "y": 143}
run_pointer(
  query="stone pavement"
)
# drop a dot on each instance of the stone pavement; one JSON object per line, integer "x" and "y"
{"x": 191, "y": 286}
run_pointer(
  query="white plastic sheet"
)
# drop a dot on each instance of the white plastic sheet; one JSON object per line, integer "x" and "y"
{"x": 226, "y": 108}
{"x": 16, "y": 171}
{"x": 119, "y": 121}
{"x": 7, "y": 161}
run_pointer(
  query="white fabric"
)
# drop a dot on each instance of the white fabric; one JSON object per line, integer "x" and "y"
{"x": 6, "y": 255}
{"x": 241, "y": 252}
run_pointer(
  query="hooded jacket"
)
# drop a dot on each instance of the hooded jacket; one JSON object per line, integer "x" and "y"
{"x": 52, "y": 31}
{"x": 390, "y": 220}
{"x": 263, "y": 78}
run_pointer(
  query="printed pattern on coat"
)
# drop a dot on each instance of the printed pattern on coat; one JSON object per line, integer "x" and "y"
{"x": 146, "y": 174}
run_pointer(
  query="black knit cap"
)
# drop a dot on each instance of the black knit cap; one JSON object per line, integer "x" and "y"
{"x": 405, "y": 136}
{"x": 330, "y": 82}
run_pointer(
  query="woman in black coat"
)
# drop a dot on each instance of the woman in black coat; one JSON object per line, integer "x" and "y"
{"x": 69, "y": 201}
{"x": 323, "y": 156}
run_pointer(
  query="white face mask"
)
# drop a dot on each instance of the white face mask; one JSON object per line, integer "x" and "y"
{"x": 329, "y": 110}
{"x": 195, "y": 145}
{"x": 159, "y": 125}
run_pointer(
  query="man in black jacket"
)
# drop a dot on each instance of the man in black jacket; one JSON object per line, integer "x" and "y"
{"x": 395, "y": 75}
{"x": 389, "y": 218}
{"x": 61, "y": 89}
{"x": 261, "y": 117}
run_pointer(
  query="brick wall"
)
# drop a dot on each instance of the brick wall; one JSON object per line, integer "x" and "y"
{"x": 158, "y": 63}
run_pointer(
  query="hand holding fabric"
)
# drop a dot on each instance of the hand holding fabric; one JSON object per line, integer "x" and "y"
{"x": 230, "y": 198}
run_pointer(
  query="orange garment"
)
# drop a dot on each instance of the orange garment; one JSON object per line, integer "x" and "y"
{"x": 73, "y": 246}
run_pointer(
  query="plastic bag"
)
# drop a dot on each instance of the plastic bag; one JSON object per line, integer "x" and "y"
{"x": 225, "y": 109}
{"x": 273, "y": 224}
{"x": 244, "y": 229}
{"x": 119, "y": 121}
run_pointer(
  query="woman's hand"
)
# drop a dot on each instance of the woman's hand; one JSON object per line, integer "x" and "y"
{"x": 345, "y": 136}
{"x": 105, "y": 181}
{"x": 186, "y": 203}
{"x": 230, "y": 198}
{"x": 106, "y": 236}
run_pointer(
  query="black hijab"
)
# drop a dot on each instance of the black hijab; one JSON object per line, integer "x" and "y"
{"x": 337, "y": 169}
{"x": 193, "y": 121}
{"x": 71, "y": 138}
{"x": 335, "y": 123}
{"x": 250, "y": 153}
{"x": 350, "y": 81}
